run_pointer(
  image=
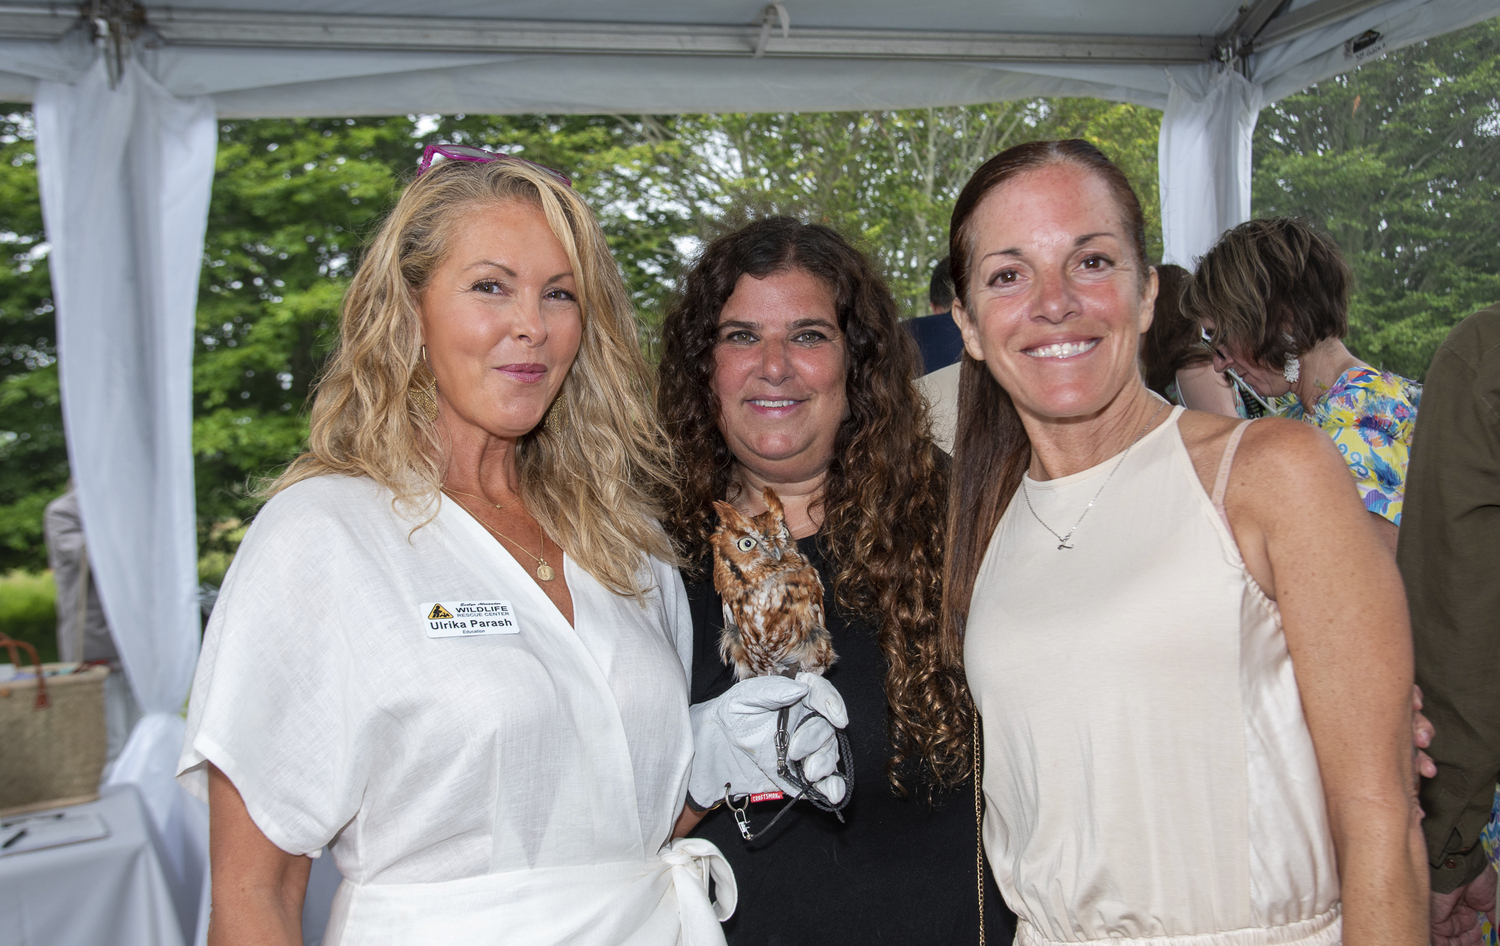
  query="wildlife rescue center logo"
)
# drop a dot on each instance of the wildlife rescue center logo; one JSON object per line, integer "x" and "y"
{"x": 469, "y": 618}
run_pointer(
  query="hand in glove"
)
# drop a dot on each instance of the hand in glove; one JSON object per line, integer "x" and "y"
{"x": 734, "y": 738}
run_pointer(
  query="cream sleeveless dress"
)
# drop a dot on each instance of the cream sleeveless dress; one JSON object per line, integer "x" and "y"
{"x": 1148, "y": 773}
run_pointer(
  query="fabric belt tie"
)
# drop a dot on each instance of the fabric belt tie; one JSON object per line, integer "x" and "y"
{"x": 660, "y": 901}
{"x": 1326, "y": 929}
{"x": 694, "y": 862}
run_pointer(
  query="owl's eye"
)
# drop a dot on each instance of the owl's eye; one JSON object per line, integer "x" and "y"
{"x": 745, "y": 544}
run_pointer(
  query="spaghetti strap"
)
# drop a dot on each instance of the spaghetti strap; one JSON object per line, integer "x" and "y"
{"x": 1221, "y": 482}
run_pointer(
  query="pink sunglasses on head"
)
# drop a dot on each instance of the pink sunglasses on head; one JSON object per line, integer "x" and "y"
{"x": 481, "y": 156}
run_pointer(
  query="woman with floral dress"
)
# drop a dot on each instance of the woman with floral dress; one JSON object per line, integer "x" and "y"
{"x": 1272, "y": 297}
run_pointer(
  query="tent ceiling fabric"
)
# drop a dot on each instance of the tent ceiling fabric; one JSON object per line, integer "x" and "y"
{"x": 258, "y": 58}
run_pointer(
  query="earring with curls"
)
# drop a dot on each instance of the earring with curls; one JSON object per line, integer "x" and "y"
{"x": 422, "y": 392}
{"x": 556, "y": 420}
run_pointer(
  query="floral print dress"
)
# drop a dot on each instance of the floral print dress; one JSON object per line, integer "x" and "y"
{"x": 1370, "y": 415}
{"x": 1491, "y": 839}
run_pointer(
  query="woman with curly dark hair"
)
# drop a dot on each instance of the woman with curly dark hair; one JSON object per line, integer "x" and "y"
{"x": 784, "y": 365}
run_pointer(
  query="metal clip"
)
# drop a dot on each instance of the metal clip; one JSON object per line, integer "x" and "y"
{"x": 741, "y": 816}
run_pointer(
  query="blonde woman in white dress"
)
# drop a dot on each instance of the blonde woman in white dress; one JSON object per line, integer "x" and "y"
{"x": 1188, "y": 647}
{"x": 453, "y": 646}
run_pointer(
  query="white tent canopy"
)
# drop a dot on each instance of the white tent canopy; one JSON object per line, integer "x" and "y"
{"x": 126, "y": 100}
{"x": 370, "y": 57}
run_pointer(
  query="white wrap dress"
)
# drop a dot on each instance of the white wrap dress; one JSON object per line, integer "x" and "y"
{"x": 483, "y": 771}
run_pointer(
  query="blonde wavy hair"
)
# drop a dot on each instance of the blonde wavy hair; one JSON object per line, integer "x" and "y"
{"x": 590, "y": 479}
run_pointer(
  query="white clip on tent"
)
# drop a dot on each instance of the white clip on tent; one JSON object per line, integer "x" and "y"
{"x": 126, "y": 98}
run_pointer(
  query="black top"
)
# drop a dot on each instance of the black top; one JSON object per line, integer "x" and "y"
{"x": 897, "y": 871}
{"x": 938, "y": 336}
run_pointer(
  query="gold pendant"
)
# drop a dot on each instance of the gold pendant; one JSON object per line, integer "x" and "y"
{"x": 545, "y": 572}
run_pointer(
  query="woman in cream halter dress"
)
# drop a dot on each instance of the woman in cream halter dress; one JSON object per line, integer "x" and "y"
{"x": 1187, "y": 646}
{"x": 1229, "y": 809}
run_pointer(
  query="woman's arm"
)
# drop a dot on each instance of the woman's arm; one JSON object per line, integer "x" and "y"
{"x": 1387, "y": 531}
{"x": 257, "y": 887}
{"x": 1204, "y": 389}
{"x": 1313, "y": 548}
{"x": 687, "y": 820}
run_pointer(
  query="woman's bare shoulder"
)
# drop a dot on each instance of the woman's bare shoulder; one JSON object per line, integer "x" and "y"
{"x": 1205, "y": 435}
{"x": 1290, "y": 454}
{"x": 1277, "y": 460}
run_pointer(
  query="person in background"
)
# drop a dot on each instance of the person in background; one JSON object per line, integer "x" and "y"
{"x": 1173, "y": 359}
{"x": 1273, "y": 297}
{"x": 936, "y": 336}
{"x": 1190, "y": 653}
{"x": 942, "y": 346}
{"x": 783, "y": 364}
{"x": 1449, "y": 554}
{"x": 82, "y": 630}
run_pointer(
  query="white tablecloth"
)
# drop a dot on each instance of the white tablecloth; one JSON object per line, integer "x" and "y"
{"x": 110, "y": 891}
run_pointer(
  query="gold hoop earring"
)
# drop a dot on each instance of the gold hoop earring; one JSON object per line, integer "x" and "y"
{"x": 421, "y": 393}
{"x": 423, "y": 399}
{"x": 556, "y": 420}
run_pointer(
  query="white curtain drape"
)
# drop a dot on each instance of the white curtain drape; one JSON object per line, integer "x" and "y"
{"x": 1204, "y": 158}
{"x": 125, "y": 175}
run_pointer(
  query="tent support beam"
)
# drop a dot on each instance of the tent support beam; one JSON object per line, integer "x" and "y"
{"x": 1300, "y": 22}
{"x": 215, "y": 28}
{"x": 1254, "y": 17}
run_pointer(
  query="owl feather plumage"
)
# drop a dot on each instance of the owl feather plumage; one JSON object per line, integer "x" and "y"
{"x": 773, "y": 598}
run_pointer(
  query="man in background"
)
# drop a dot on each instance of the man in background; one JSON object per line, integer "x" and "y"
{"x": 82, "y": 630}
{"x": 942, "y": 347}
{"x": 1449, "y": 553}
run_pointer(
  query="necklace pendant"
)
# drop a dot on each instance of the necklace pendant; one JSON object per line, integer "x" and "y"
{"x": 1064, "y": 544}
{"x": 545, "y": 572}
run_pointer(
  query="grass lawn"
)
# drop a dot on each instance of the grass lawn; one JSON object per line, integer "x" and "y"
{"x": 28, "y": 611}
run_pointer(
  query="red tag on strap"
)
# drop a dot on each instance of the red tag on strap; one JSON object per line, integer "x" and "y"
{"x": 767, "y": 796}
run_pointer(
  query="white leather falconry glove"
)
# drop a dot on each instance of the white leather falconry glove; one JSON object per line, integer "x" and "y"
{"x": 734, "y": 738}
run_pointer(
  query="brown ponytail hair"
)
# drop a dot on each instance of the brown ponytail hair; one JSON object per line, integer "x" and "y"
{"x": 992, "y": 451}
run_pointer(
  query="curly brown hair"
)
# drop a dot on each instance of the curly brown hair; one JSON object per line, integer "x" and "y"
{"x": 884, "y": 496}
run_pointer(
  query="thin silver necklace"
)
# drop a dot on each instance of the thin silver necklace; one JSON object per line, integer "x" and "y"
{"x": 1062, "y": 540}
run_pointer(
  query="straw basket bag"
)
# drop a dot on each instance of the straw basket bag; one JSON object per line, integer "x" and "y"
{"x": 52, "y": 739}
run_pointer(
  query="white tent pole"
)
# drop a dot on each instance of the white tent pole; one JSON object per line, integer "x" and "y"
{"x": 1204, "y": 158}
{"x": 125, "y": 175}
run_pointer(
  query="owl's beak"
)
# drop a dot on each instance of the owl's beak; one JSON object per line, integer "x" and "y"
{"x": 776, "y": 552}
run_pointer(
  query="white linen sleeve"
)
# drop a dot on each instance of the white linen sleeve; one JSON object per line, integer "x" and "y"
{"x": 677, "y": 614}
{"x": 277, "y": 703}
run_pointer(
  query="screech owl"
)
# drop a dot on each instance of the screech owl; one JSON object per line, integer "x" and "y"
{"x": 773, "y": 598}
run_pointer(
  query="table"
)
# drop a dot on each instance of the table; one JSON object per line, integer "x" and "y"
{"x": 108, "y": 891}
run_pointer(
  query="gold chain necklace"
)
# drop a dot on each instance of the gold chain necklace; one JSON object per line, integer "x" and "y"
{"x": 1062, "y": 540}
{"x": 456, "y": 493}
{"x": 544, "y": 571}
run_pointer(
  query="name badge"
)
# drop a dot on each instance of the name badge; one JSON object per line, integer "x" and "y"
{"x": 469, "y": 618}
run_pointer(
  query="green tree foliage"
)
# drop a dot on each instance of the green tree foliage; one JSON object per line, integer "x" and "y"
{"x": 33, "y": 457}
{"x": 885, "y": 179}
{"x": 1400, "y": 161}
{"x": 293, "y": 201}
